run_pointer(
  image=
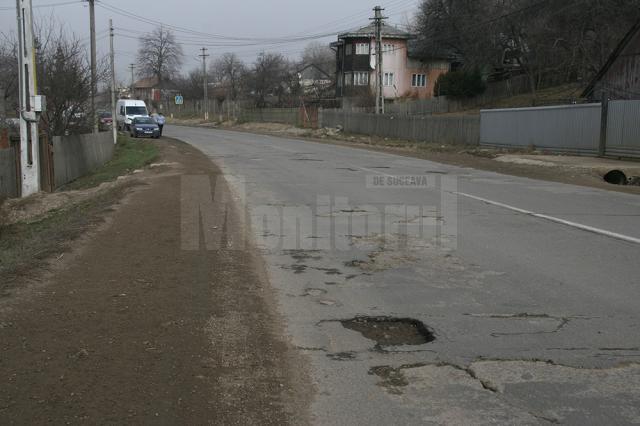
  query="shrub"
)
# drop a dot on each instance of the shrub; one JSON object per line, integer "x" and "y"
{"x": 460, "y": 84}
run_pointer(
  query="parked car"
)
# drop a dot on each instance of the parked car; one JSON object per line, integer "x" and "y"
{"x": 127, "y": 110}
{"x": 144, "y": 127}
{"x": 106, "y": 120}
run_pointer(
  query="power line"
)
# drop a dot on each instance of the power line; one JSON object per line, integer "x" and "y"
{"x": 64, "y": 3}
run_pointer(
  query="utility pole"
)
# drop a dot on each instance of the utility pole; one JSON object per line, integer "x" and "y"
{"x": 132, "y": 67}
{"x": 94, "y": 61}
{"x": 206, "y": 84}
{"x": 30, "y": 104}
{"x": 113, "y": 84}
{"x": 602, "y": 146}
{"x": 378, "y": 18}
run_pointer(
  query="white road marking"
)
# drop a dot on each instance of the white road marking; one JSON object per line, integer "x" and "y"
{"x": 588, "y": 228}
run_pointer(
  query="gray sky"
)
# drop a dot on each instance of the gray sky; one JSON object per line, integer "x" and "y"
{"x": 239, "y": 19}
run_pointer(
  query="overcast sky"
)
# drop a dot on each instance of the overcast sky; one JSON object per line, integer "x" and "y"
{"x": 282, "y": 19}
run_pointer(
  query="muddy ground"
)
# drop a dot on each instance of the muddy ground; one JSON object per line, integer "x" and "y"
{"x": 128, "y": 327}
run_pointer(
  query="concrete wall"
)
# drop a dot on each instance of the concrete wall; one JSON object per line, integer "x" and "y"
{"x": 462, "y": 129}
{"x": 572, "y": 128}
{"x": 75, "y": 156}
{"x": 8, "y": 184}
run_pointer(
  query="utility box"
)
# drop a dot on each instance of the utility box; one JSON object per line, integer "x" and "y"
{"x": 39, "y": 103}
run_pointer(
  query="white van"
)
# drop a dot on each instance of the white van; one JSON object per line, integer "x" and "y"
{"x": 127, "y": 110}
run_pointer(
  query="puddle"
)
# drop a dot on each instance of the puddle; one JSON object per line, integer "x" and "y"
{"x": 389, "y": 331}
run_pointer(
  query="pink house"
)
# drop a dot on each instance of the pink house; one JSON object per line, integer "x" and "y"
{"x": 404, "y": 73}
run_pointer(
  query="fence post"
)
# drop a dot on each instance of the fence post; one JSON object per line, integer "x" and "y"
{"x": 602, "y": 147}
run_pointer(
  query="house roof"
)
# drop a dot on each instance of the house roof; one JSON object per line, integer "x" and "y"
{"x": 635, "y": 30}
{"x": 315, "y": 67}
{"x": 146, "y": 83}
{"x": 388, "y": 31}
{"x": 153, "y": 83}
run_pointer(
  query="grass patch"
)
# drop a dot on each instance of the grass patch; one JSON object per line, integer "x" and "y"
{"x": 130, "y": 154}
{"x": 24, "y": 246}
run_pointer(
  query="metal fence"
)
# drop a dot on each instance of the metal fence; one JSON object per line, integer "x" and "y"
{"x": 623, "y": 129}
{"x": 458, "y": 129}
{"x": 271, "y": 115}
{"x": 572, "y": 128}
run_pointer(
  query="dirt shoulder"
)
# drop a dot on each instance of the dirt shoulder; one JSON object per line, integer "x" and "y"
{"x": 129, "y": 327}
{"x": 481, "y": 158}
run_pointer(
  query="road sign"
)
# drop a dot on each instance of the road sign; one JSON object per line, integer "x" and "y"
{"x": 179, "y": 100}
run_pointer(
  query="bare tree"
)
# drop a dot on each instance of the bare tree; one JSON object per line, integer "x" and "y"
{"x": 321, "y": 56}
{"x": 8, "y": 73}
{"x": 159, "y": 55}
{"x": 64, "y": 76}
{"x": 551, "y": 41}
{"x": 270, "y": 78}
{"x": 191, "y": 86}
{"x": 229, "y": 71}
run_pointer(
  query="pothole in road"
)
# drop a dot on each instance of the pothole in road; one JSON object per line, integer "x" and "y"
{"x": 390, "y": 331}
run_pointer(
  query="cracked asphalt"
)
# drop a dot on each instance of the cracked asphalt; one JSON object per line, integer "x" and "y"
{"x": 535, "y": 317}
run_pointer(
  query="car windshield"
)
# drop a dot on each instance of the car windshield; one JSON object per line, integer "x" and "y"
{"x": 144, "y": 120}
{"x": 136, "y": 110}
{"x": 105, "y": 115}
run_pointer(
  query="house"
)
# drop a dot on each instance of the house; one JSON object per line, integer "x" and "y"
{"x": 404, "y": 73}
{"x": 150, "y": 90}
{"x": 314, "y": 81}
{"x": 619, "y": 78}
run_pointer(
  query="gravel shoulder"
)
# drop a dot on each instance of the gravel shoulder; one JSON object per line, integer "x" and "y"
{"x": 130, "y": 327}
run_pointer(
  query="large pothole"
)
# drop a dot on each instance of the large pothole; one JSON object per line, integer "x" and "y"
{"x": 390, "y": 331}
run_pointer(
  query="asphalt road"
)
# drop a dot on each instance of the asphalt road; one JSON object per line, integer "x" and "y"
{"x": 531, "y": 289}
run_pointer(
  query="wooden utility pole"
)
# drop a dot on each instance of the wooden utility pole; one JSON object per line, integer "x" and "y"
{"x": 602, "y": 146}
{"x": 30, "y": 104}
{"x": 205, "y": 83}
{"x": 114, "y": 130}
{"x": 94, "y": 61}
{"x": 132, "y": 67}
{"x": 378, "y": 18}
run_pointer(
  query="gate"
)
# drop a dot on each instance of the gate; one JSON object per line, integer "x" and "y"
{"x": 47, "y": 176}
{"x": 309, "y": 116}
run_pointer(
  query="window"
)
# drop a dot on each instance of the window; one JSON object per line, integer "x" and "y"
{"x": 389, "y": 79}
{"x": 348, "y": 79}
{"x": 388, "y": 48}
{"x": 362, "y": 48}
{"x": 136, "y": 110}
{"x": 418, "y": 80}
{"x": 348, "y": 49}
{"x": 361, "y": 78}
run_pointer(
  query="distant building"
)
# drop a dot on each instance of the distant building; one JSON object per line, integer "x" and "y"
{"x": 150, "y": 90}
{"x": 619, "y": 78}
{"x": 405, "y": 74}
{"x": 314, "y": 81}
